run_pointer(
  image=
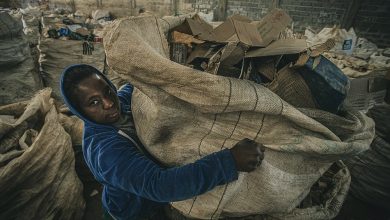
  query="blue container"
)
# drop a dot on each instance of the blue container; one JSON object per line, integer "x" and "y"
{"x": 328, "y": 84}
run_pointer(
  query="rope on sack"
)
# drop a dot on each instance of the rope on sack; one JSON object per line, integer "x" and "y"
{"x": 230, "y": 95}
{"x": 220, "y": 201}
{"x": 208, "y": 133}
{"x": 222, "y": 146}
{"x": 161, "y": 38}
{"x": 169, "y": 24}
{"x": 192, "y": 205}
{"x": 226, "y": 185}
{"x": 257, "y": 95}
{"x": 261, "y": 127}
{"x": 234, "y": 128}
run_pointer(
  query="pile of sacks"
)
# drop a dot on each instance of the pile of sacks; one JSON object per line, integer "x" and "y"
{"x": 18, "y": 73}
{"x": 370, "y": 170}
{"x": 37, "y": 174}
{"x": 31, "y": 18}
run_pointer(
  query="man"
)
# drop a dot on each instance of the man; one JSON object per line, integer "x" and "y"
{"x": 135, "y": 184}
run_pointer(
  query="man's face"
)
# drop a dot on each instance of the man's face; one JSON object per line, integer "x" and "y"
{"x": 97, "y": 100}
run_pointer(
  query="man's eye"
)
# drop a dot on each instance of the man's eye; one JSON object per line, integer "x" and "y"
{"x": 94, "y": 102}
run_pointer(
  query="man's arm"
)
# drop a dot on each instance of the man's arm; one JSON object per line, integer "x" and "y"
{"x": 124, "y": 167}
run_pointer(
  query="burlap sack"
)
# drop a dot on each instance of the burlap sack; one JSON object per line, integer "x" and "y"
{"x": 9, "y": 27}
{"x": 182, "y": 114}
{"x": 18, "y": 73}
{"x": 56, "y": 54}
{"x": 370, "y": 170}
{"x": 292, "y": 88}
{"x": 74, "y": 127}
{"x": 37, "y": 176}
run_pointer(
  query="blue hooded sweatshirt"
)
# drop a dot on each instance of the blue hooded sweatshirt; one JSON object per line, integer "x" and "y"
{"x": 133, "y": 183}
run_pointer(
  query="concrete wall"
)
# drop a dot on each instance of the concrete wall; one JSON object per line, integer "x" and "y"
{"x": 314, "y": 13}
{"x": 372, "y": 19}
{"x": 118, "y": 8}
{"x": 10, "y": 3}
{"x": 251, "y": 8}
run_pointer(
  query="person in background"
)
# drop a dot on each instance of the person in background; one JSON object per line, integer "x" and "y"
{"x": 135, "y": 184}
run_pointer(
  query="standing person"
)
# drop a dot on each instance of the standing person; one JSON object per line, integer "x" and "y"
{"x": 134, "y": 183}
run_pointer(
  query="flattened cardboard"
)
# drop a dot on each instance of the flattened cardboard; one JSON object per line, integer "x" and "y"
{"x": 272, "y": 25}
{"x": 238, "y": 28}
{"x": 247, "y": 34}
{"x": 232, "y": 54}
{"x": 196, "y": 27}
{"x": 280, "y": 47}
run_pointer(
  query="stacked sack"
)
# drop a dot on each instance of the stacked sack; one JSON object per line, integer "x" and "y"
{"x": 64, "y": 42}
{"x": 31, "y": 23}
{"x": 370, "y": 170}
{"x": 37, "y": 164}
{"x": 19, "y": 78}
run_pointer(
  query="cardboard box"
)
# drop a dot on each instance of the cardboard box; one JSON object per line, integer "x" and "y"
{"x": 272, "y": 25}
{"x": 365, "y": 92}
{"x": 232, "y": 54}
{"x": 196, "y": 27}
{"x": 279, "y": 47}
{"x": 238, "y": 28}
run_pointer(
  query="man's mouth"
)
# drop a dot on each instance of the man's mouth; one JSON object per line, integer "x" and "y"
{"x": 114, "y": 115}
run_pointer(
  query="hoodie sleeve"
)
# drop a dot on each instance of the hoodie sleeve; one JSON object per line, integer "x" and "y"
{"x": 124, "y": 94}
{"x": 123, "y": 166}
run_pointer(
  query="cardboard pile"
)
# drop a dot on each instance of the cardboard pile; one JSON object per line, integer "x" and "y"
{"x": 223, "y": 50}
{"x": 264, "y": 51}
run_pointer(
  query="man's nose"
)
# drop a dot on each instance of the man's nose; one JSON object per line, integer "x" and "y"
{"x": 107, "y": 103}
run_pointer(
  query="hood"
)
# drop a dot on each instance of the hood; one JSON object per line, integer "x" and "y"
{"x": 66, "y": 99}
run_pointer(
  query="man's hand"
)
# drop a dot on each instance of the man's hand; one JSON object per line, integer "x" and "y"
{"x": 248, "y": 155}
